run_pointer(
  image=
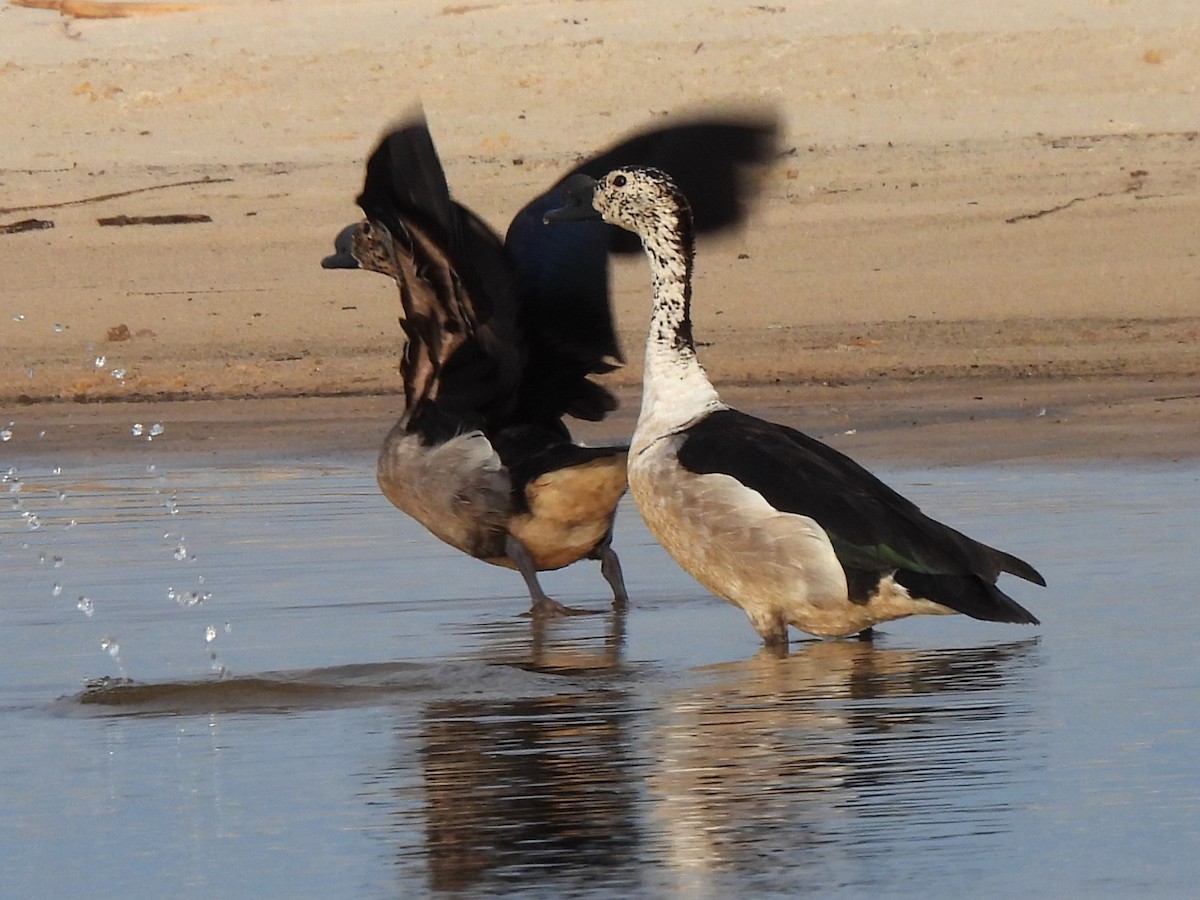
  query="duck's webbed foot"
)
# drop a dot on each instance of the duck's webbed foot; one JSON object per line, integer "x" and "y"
{"x": 542, "y": 606}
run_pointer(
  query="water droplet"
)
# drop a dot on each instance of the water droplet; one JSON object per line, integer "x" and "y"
{"x": 72, "y": 524}
{"x": 136, "y": 430}
{"x": 228, "y": 627}
{"x": 19, "y": 318}
{"x": 118, "y": 374}
{"x": 29, "y": 372}
{"x": 6, "y": 433}
{"x": 57, "y": 470}
{"x": 110, "y": 644}
{"x": 41, "y": 559}
{"x": 16, "y": 503}
{"x": 181, "y": 552}
{"x": 34, "y": 522}
{"x": 14, "y": 486}
{"x": 187, "y": 599}
{"x": 58, "y": 328}
{"x": 62, "y": 496}
{"x": 200, "y": 579}
{"x": 85, "y": 605}
{"x": 156, "y": 429}
{"x": 210, "y": 634}
{"x": 56, "y": 590}
{"x": 57, "y": 562}
{"x": 151, "y": 467}
{"x": 101, "y": 362}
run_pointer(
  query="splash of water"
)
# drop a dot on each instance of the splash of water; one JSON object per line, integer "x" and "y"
{"x": 109, "y": 645}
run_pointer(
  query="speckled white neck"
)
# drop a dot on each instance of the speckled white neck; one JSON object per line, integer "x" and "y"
{"x": 675, "y": 389}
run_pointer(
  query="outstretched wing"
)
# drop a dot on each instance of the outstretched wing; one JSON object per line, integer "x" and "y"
{"x": 873, "y": 529}
{"x": 562, "y": 272}
{"x": 460, "y": 308}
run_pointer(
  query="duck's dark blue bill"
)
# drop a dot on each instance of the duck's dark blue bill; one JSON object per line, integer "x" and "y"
{"x": 576, "y": 196}
{"x": 343, "y": 258}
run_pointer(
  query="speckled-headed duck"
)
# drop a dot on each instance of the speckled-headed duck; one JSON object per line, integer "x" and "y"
{"x": 775, "y": 522}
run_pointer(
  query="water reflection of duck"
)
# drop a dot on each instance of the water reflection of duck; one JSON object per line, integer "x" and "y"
{"x": 555, "y": 650}
{"x": 540, "y": 785}
{"x": 843, "y": 743}
{"x": 782, "y": 526}
{"x": 502, "y": 340}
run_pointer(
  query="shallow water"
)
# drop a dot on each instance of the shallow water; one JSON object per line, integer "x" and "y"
{"x": 284, "y": 687}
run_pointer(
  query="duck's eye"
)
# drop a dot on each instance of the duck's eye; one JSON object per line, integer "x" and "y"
{"x": 619, "y": 181}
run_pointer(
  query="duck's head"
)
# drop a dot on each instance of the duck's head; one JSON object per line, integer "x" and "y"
{"x": 363, "y": 245}
{"x": 639, "y": 199}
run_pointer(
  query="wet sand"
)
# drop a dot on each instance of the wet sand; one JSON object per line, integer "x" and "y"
{"x": 973, "y": 218}
{"x": 935, "y": 422}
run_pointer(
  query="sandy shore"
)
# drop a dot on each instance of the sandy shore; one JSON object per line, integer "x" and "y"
{"x": 976, "y": 215}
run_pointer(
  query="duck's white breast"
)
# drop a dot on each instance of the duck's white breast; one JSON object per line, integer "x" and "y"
{"x": 771, "y": 564}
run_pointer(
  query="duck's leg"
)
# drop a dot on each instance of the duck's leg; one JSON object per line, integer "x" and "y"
{"x": 610, "y": 568}
{"x": 772, "y": 628}
{"x": 542, "y": 604}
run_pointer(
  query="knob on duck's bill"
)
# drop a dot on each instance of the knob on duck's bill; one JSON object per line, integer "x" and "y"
{"x": 577, "y": 192}
{"x": 343, "y": 245}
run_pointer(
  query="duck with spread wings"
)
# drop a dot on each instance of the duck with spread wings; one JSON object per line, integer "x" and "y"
{"x": 503, "y": 338}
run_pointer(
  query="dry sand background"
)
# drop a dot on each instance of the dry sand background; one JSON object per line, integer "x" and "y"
{"x": 983, "y": 211}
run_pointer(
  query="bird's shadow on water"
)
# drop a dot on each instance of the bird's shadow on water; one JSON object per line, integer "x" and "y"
{"x": 518, "y": 656}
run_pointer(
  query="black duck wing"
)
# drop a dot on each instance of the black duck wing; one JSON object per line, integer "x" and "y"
{"x": 873, "y": 529}
{"x": 464, "y": 346}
